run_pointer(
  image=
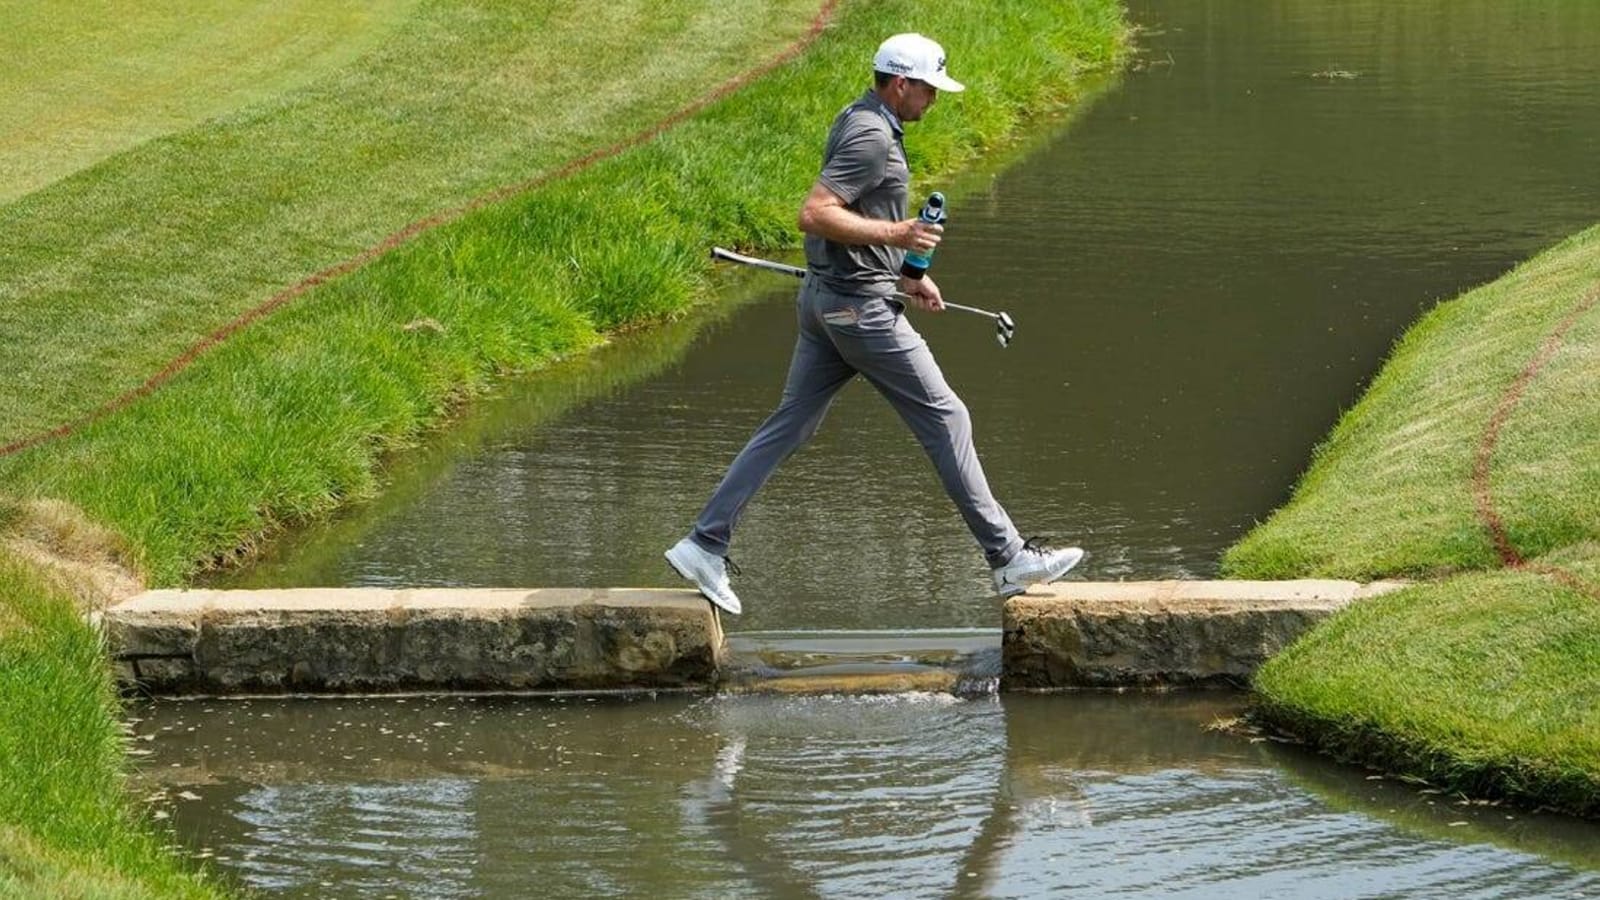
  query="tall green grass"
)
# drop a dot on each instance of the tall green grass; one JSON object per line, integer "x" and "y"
{"x": 291, "y": 418}
{"x": 66, "y": 826}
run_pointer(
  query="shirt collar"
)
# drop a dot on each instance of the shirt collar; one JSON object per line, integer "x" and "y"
{"x": 872, "y": 99}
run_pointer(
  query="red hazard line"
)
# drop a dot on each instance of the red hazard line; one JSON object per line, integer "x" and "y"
{"x": 210, "y": 341}
{"x": 1491, "y": 520}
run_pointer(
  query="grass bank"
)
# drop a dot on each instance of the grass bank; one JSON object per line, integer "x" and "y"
{"x": 67, "y": 826}
{"x": 289, "y": 419}
{"x": 1392, "y": 491}
{"x": 1483, "y": 684}
{"x": 114, "y": 270}
{"x": 1472, "y": 463}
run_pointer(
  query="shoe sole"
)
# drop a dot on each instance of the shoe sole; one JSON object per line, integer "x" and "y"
{"x": 702, "y": 591}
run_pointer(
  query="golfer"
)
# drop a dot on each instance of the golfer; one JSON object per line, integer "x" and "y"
{"x": 857, "y": 232}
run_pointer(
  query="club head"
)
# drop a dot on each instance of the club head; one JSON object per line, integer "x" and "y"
{"x": 1005, "y": 329}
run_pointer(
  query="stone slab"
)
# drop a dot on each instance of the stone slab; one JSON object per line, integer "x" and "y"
{"x": 1161, "y": 633}
{"x": 374, "y": 640}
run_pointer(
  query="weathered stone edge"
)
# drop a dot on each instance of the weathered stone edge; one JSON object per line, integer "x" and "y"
{"x": 209, "y": 642}
{"x": 1161, "y": 634}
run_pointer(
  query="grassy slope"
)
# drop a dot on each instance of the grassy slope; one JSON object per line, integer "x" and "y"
{"x": 1486, "y": 681}
{"x": 111, "y": 272}
{"x": 1483, "y": 683}
{"x": 83, "y": 81}
{"x": 289, "y": 419}
{"x": 61, "y": 758}
{"x": 1390, "y": 492}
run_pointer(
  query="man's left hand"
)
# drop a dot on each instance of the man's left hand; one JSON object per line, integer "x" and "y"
{"x": 923, "y": 293}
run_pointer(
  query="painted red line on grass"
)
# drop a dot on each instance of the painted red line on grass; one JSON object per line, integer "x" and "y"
{"x": 404, "y": 235}
{"x": 1482, "y": 495}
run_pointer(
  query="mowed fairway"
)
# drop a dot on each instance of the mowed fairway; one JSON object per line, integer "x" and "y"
{"x": 88, "y": 79}
{"x": 109, "y": 272}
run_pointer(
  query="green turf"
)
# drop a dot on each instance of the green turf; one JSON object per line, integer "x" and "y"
{"x": 109, "y": 273}
{"x": 67, "y": 829}
{"x": 1390, "y": 492}
{"x": 85, "y": 80}
{"x": 1484, "y": 684}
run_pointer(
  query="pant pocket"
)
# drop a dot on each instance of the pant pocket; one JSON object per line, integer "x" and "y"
{"x": 841, "y": 317}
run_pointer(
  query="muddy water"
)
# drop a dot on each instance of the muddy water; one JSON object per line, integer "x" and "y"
{"x": 1205, "y": 268}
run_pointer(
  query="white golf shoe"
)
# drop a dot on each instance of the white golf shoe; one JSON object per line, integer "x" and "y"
{"x": 1034, "y": 564}
{"x": 708, "y": 571}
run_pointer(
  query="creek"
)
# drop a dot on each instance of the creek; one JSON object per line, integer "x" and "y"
{"x": 1205, "y": 268}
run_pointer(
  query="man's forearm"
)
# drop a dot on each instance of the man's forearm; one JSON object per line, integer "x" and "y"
{"x": 842, "y": 226}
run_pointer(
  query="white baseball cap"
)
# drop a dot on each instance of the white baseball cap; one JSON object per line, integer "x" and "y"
{"x": 915, "y": 56}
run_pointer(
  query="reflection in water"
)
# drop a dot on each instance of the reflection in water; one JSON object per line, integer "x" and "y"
{"x": 919, "y": 795}
{"x": 412, "y": 837}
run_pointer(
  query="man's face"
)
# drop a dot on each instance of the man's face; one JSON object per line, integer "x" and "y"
{"x": 915, "y": 99}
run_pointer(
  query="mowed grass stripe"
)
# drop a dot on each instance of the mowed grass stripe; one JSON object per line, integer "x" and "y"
{"x": 82, "y": 81}
{"x": 227, "y": 330}
{"x": 110, "y": 273}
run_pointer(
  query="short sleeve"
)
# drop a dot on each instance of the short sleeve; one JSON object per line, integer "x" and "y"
{"x": 857, "y": 161}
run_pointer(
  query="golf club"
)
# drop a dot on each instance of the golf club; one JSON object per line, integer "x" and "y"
{"x": 1005, "y": 327}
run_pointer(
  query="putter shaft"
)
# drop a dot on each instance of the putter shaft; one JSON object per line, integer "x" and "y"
{"x": 971, "y": 309}
{"x": 1005, "y": 328}
{"x": 796, "y": 271}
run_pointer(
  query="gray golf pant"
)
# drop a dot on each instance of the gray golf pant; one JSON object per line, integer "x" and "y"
{"x": 841, "y": 336}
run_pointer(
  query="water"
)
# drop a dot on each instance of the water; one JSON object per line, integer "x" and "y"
{"x": 910, "y": 795}
{"x": 1205, "y": 269}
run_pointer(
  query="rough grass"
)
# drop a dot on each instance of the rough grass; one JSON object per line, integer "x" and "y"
{"x": 1485, "y": 684}
{"x": 289, "y": 420}
{"x": 67, "y": 829}
{"x": 112, "y": 271}
{"x": 1390, "y": 492}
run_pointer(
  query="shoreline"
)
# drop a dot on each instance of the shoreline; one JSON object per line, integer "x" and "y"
{"x": 1476, "y": 679}
{"x": 295, "y": 416}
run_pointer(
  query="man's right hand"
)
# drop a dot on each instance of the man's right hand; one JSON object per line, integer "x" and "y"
{"x": 915, "y": 234}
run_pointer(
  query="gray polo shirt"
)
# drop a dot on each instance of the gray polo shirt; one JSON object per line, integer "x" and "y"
{"x": 865, "y": 164}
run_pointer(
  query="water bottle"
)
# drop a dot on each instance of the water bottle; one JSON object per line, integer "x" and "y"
{"x": 917, "y": 261}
